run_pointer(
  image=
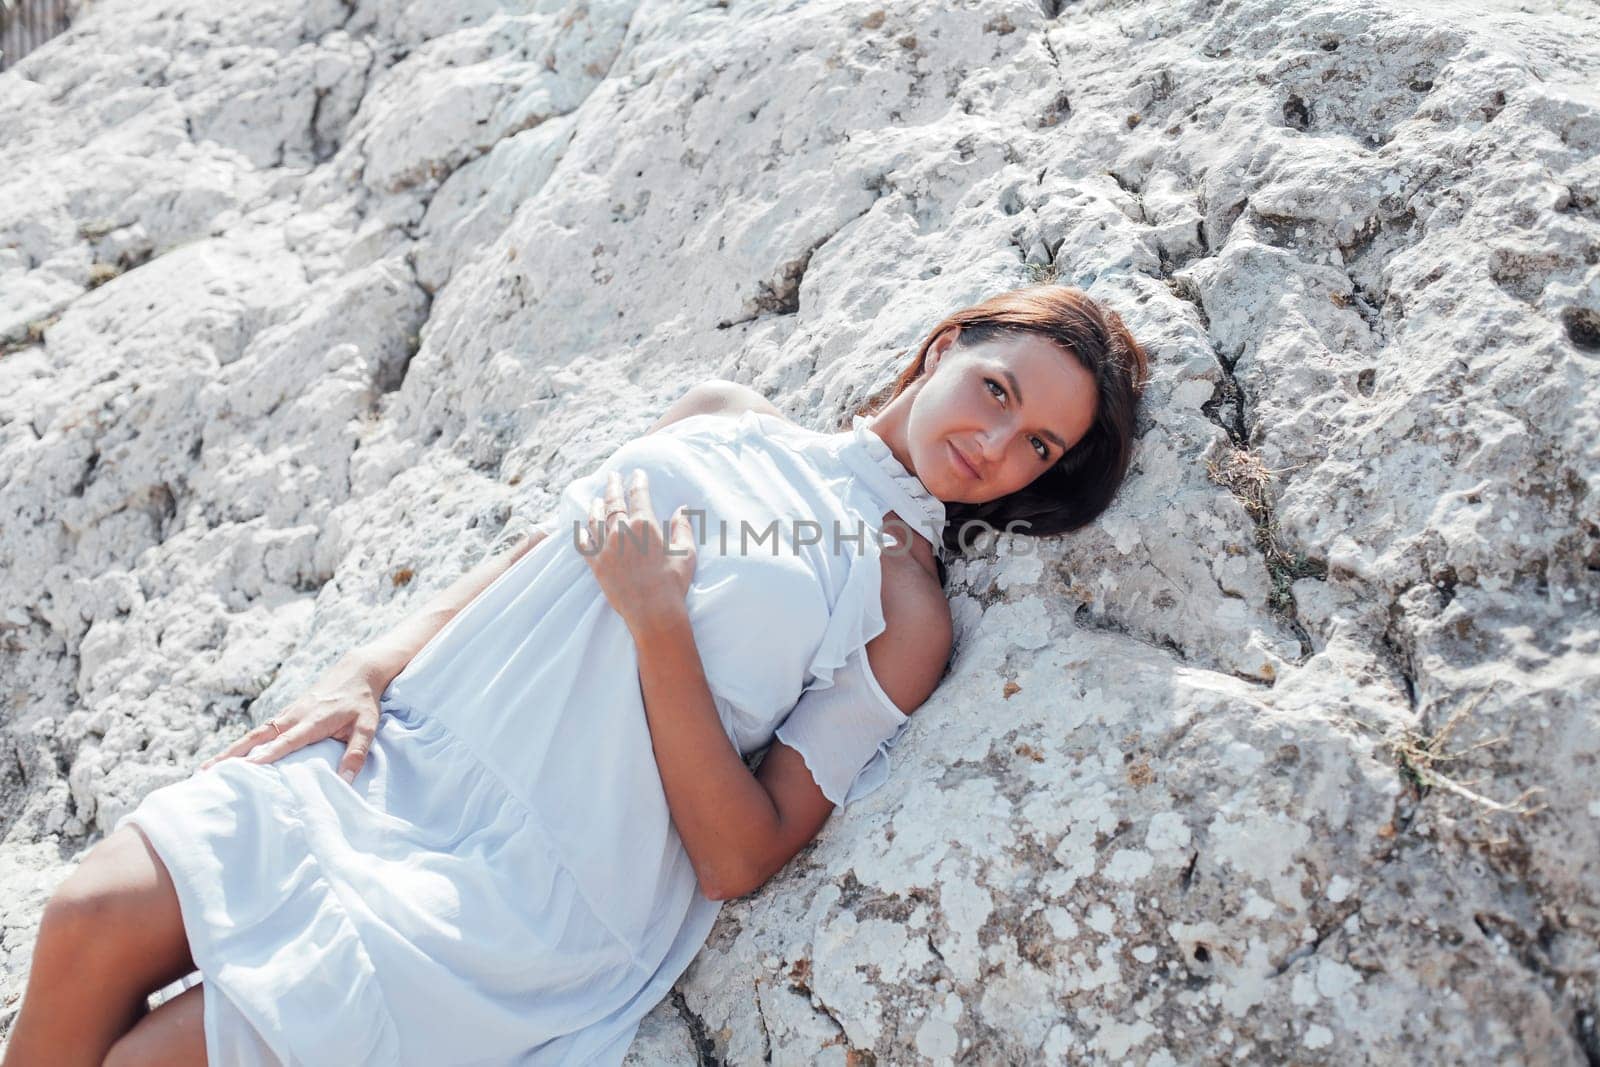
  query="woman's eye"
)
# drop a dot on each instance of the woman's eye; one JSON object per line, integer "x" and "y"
{"x": 1044, "y": 449}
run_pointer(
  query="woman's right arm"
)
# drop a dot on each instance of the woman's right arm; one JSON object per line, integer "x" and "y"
{"x": 343, "y": 703}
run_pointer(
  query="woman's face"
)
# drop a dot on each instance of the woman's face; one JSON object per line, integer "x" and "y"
{"x": 1011, "y": 406}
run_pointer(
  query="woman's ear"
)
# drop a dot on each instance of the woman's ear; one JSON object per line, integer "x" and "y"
{"x": 937, "y": 350}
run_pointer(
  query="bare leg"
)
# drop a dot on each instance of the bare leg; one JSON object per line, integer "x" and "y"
{"x": 111, "y": 935}
{"x": 174, "y": 1035}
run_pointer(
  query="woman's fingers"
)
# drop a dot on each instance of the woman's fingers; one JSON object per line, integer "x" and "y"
{"x": 265, "y": 745}
{"x": 638, "y": 495}
{"x": 682, "y": 532}
{"x": 616, "y": 507}
{"x": 355, "y": 753}
{"x": 615, "y": 513}
{"x": 594, "y": 525}
{"x": 250, "y": 740}
{"x": 297, "y": 736}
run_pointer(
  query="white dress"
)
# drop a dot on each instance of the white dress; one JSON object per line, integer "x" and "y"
{"x": 502, "y": 883}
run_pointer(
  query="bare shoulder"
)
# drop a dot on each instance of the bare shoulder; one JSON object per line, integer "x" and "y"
{"x": 716, "y": 396}
{"x": 909, "y": 657}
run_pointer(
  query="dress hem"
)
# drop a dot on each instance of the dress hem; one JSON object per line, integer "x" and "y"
{"x": 191, "y": 877}
{"x": 185, "y": 878}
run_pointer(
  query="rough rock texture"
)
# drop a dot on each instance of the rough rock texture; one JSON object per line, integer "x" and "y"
{"x": 1291, "y": 756}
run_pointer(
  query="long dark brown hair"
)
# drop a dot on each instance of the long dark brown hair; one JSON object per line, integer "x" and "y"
{"x": 1081, "y": 484}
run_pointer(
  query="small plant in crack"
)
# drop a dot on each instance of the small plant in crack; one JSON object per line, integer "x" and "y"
{"x": 100, "y": 273}
{"x": 32, "y": 334}
{"x": 1242, "y": 473}
{"x": 1419, "y": 755}
{"x": 1041, "y": 273}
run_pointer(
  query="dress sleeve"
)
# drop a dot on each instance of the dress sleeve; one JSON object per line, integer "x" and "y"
{"x": 845, "y": 731}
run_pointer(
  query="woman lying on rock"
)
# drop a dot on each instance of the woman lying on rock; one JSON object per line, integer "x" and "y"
{"x": 519, "y": 860}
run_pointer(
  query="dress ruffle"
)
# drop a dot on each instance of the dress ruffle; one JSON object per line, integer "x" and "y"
{"x": 857, "y": 616}
{"x": 929, "y": 518}
{"x": 844, "y": 732}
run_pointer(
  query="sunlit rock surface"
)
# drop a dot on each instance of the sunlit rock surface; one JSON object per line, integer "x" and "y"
{"x": 1291, "y": 756}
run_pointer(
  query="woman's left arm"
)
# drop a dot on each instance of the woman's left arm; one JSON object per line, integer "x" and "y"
{"x": 727, "y": 820}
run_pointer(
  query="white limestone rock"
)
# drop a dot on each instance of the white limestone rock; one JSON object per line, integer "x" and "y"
{"x": 1289, "y": 756}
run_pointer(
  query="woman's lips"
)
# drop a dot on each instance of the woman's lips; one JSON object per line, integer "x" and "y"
{"x": 962, "y": 465}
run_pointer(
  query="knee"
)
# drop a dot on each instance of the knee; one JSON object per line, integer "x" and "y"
{"x": 86, "y": 913}
{"x": 76, "y": 921}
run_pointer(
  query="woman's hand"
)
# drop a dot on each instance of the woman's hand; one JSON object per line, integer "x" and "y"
{"x": 341, "y": 704}
{"x": 641, "y": 574}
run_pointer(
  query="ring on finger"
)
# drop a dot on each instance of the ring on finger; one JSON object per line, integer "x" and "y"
{"x": 274, "y": 724}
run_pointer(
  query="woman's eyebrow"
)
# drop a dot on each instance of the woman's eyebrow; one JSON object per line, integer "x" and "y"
{"x": 1016, "y": 391}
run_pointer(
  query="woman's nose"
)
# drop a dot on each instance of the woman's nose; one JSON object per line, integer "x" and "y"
{"x": 991, "y": 444}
